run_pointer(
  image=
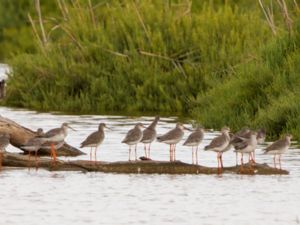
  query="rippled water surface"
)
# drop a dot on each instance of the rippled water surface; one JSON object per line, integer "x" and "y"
{"x": 42, "y": 197}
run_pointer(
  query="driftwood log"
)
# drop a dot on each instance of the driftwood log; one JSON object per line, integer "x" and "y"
{"x": 19, "y": 135}
{"x": 145, "y": 167}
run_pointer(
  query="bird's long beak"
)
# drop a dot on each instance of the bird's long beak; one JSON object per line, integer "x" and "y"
{"x": 71, "y": 128}
{"x": 108, "y": 127}
{"x": 186, "y": 128}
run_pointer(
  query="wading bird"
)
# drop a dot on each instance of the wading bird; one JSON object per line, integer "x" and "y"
{"x": 149, "y": 135}
{"x": 278, "y": 148}
{"x": 219, "y": 145}
{"x": 194, "y": 140}
{"x": 94, "y": 140}
{"x": 172, "y": 138}
{"x": 133, "y": 137}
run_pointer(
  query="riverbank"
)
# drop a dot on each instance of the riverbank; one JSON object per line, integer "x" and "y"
{"x": 218, "y": 63}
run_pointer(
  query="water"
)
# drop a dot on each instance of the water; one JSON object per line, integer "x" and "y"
{"x": 44, "y": 197}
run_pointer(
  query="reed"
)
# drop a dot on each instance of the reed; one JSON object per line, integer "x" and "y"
{"x": 214, "y": 60}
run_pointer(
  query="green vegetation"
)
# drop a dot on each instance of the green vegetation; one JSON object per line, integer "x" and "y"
{"x": 217, "y": 61}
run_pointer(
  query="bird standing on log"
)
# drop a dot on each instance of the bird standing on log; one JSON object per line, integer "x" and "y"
{"x": 193, "y": 140}
{"x": 94, "y": 140}
{"x": 56, "y": 135}
{"x": 149, "y": 135}
{"x": 220, "y": 144}
{"x": 34, "y": 144}
{"x": 278, "y": 148}
{"x": 133, "y": 137}
{"x": 172, "y": 138}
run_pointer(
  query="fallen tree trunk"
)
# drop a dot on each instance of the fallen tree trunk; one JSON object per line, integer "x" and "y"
{"x": 19, "y": 135}
{"x": 147, "y": 167}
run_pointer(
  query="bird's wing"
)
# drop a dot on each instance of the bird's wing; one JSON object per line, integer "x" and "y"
{"x": 276, "y": 145}
{"x": 241, "y": 144}
{"x": 172, "y": 134}
{"x": 91, "y": 138}
{"x": 216, "y": 142}
{"x": 194, "y": 137}
{"x": 51, "y": 132}
{"x": 148, "y": 134}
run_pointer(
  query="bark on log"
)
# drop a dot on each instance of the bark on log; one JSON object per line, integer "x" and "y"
{"x": 19, "y": 135}
{"x": 145, "y": 167}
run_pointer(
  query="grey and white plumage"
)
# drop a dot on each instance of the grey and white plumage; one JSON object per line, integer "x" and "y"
{"x": 133, "y": 137}
{"x": 57, "y": 134}
{"x": 95, "y": 138}
{"x": 172, "y": 137}
{"x": 247, "y": 144}
{"x": 194, "y": 140}
{"x": 149, "y": 135}
{"x": 220, "y": 144}
{"x": 261, "y": 135}
{"x": 243, "y": 133}
{"x": 55, "y": 137}
{"x": 35, "y": 143}
{"x": 278, "y": 148}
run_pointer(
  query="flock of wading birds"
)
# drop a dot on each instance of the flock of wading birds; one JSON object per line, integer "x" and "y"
{"x": 243, "y": 142}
